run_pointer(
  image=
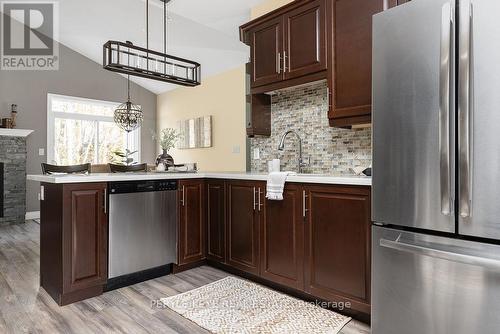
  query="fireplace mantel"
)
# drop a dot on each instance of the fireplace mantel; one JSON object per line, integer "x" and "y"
{"x": 15, "y": 132}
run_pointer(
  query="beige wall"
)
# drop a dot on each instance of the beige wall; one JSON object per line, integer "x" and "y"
{"x": 267, "y": 6}
{"x": 223, "y": 97}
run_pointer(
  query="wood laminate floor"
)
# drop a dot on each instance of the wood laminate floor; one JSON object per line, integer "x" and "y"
{"x": 26, "y": 308}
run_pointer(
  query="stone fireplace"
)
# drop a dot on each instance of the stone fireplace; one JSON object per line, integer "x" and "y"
{"x": 1, "y": 189}
{"x": 13, "y": 176}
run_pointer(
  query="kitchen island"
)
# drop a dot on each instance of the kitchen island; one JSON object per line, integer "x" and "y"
{"x": 315, "y": 243}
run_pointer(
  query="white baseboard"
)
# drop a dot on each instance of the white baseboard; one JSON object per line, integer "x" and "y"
{"x": 32, "y": 215}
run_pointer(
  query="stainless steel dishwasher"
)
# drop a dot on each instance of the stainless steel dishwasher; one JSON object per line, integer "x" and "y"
{"x": 142, "y": 231}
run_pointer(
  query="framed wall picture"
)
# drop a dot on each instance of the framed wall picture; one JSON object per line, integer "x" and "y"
{"x": 195, "y": 133}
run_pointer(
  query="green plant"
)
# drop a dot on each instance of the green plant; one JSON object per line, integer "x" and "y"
{"x": 167, "y": 138}
{"x": 123, "y": 158}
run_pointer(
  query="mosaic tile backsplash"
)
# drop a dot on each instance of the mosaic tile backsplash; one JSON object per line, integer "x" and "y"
{"x": 331, "y": 150}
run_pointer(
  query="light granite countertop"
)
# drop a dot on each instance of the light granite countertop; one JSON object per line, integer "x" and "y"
{"x": 107, "y": 177}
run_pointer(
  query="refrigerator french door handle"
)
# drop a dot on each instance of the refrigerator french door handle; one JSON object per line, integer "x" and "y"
{"x": 447, "y": 27}
{"x": 453, "y": 256}
{"x": 465, "y": 110}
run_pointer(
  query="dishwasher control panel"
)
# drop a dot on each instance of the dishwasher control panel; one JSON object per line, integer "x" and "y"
{"x": 142, "y": 186}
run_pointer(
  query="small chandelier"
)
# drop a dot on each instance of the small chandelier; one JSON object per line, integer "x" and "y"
{"x": 128, "y": 116}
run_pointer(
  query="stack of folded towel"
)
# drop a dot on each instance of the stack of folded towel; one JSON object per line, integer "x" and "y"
{"x": 276, "y": 185}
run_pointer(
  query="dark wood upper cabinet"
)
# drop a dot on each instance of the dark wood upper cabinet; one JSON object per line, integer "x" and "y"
{"x": 191, "y": 246}
{"x": 243, "y": 219}
{"x": 266, "y": 52}
{"x": 310, "y": 40}
{"x": 337, "y": 244}
{"x": 258, "y": 109}
{"x": 305, "y": 40}
{"x": 288, "y": 46}
{"x": 216, "y": 234}
{"x": 350, "y": 60}
{"x": 283, "y": 239}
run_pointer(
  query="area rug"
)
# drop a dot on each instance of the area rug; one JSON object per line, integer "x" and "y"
{"x": 233, "y": 305}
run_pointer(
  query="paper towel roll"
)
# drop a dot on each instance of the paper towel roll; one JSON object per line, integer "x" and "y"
{"x": 276, "y": 165}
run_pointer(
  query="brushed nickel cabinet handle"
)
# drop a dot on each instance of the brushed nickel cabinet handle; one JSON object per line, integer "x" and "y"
{"x": 105, "y": 200}
{"x": 260, "y": 205}
{"x": 278, "y": 63}
{"x": 254, "y": 200}
{"x": 284, "y": 62}
{"x": 183, "y": 200}
{"x": 304, "y": 204}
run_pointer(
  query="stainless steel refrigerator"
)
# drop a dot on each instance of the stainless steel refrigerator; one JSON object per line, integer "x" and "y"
{"x": 436, "y": 168}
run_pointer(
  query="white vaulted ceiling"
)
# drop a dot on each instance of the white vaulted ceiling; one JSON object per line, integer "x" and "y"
{"x": 201, "y": 30}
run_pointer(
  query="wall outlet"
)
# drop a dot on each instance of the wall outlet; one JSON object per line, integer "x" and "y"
{"x": 41, "y": 152}
{"x": 256, "y": 153}
{"x": 236, "y": 150}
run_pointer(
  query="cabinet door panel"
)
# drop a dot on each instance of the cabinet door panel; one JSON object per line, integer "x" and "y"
{"x": 191, "y": 228}
{"x": 85, "y": 240}
{"x": 282, "y": 239}
{"x": 243, "y": 226}
{"x": 305, "y": 38}
{"x": 338, "y": 244}
{"x": 266, "y": 51}
{"x": 216, "y": 221}
{"x": 351, "y": 60}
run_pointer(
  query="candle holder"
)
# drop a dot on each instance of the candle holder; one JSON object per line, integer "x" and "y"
{"x": 13, "y": 115}
{"x": 7, "y": 123}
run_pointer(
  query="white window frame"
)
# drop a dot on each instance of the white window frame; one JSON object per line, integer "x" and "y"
{"x": 134, "y": 136}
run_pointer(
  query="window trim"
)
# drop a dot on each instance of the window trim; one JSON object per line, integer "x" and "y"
{"x": 134, "y": 136}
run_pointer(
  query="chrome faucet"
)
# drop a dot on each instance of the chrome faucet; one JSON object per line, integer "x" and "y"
{"x": 281, "y": 147}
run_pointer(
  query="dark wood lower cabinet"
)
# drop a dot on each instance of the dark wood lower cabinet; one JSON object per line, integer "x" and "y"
{"x": 73, "y": 241}
{"x": 317, "y": 240}
{"x": 216, "y": 234}
{"x": 337, "y": 244}
{"x": 283, "y": 239}
{"x": 243, "y": 217}
{"x": 191, "y": 243}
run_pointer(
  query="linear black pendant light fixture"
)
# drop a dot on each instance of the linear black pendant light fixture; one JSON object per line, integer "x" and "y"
{"x": 133, "y": 60}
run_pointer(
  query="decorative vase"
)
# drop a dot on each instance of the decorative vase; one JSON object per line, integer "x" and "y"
{"x": 165, "y": 159}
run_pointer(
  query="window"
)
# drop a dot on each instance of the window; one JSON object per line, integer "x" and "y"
{"x": 82, "y": 130}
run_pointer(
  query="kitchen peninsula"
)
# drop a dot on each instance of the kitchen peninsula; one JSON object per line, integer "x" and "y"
{"x": 315, "y": 243}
